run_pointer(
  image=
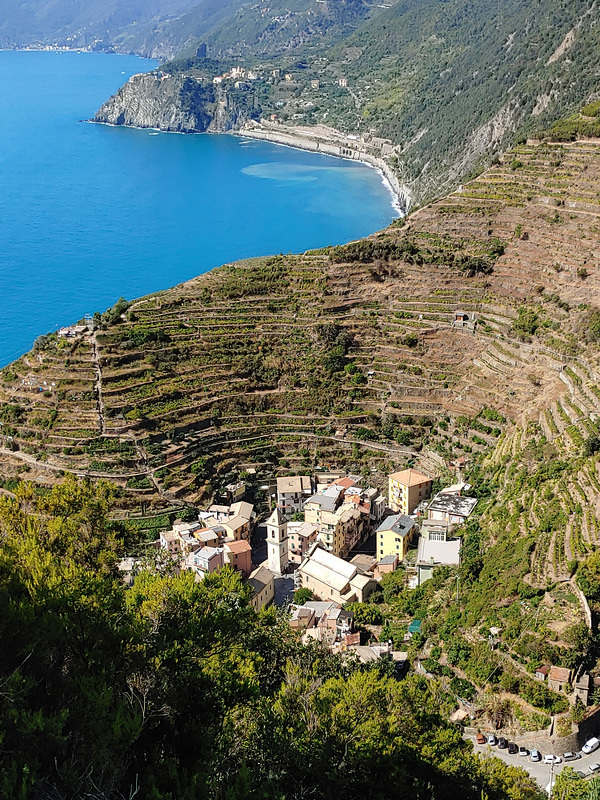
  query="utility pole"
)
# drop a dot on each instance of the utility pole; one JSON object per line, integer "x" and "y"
{"x": 457, "y": 580}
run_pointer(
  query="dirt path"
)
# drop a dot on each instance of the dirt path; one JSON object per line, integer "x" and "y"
{"x": 98, "y": 384}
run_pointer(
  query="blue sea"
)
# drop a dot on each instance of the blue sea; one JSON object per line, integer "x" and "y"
{"x": 89, "y": 213}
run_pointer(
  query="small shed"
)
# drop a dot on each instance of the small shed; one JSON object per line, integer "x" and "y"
{"x": 559, "y": 679}
{"x": 541, "y": 673}
{"x": 464, "y": 319}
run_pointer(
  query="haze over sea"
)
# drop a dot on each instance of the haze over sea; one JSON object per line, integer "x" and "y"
{"x": 89, "y": 213}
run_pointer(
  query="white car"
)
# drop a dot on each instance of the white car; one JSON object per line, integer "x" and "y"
{"x": 535, "y": 755}
{"x": 591, "y": 745}
{"x": 550, "y": 759}
{"x": 594, "y": 767}
{"x": 523, "y": 752}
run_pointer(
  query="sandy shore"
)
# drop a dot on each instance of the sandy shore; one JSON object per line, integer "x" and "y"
{"x": 335, "y": 145}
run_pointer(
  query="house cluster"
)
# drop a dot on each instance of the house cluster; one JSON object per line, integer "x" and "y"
{"x": 338, "y": 513}
{"x": 237, "y": 73}
{"x": 432, "y": 520}
{"x": 315, "y": 526}
{"x": 219, "y": 537}
{"x": 566, "y": 681}
{"x": 243, "y": 79}
{"x": 328, "y": 622}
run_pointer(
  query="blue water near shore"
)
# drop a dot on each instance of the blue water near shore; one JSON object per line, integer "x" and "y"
{"x": 89, "y": 213}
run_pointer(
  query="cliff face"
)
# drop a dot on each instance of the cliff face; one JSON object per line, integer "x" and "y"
{"x": 174, "y": 103}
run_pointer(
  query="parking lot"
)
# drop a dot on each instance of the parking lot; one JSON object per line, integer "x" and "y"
{"x": 539, "y": 771}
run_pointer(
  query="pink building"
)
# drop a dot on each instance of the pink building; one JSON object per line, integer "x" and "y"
{"x": 239, "y": 555}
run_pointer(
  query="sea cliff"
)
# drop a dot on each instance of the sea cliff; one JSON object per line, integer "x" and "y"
{"x": 174, "y": 103}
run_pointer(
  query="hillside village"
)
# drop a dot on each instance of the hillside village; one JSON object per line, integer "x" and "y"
{"x": 322, "y": 555}
{"x": 334, "y": 537}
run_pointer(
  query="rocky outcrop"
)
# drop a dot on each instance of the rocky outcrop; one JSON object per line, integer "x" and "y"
{"x": 176, "y": 103}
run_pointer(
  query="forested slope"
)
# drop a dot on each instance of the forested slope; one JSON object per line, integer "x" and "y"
{"x": 174, "y": 689}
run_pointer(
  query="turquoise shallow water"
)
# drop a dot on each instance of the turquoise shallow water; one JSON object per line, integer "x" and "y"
{"x": 89, "y": 213}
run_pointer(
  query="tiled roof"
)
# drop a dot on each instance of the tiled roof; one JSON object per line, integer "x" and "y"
{"x": 560, "y": 674}
{"x": 238, "y": 547}
{"x": 410, "y": 477}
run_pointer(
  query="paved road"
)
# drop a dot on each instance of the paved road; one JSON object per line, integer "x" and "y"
{"x": 539, "y": 771}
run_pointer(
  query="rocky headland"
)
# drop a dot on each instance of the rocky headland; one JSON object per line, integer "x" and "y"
{"x": 173, "y": 103}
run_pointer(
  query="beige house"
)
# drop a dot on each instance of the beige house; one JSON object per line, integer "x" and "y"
{"x": 262, "y": 581}
{"x": 170, "y": 541}
{"x": 559, "y": 679}
{"x": 237, "y": 528}
{"x": 338, "y": 523}
{"x": 332, "y": 578}
{"x": 406, "y": 489}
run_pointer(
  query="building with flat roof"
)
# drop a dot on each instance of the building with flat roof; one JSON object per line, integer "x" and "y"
{"x": 406, "y": 489}
{"x": 451, "y": 508}
{"x": 432, "y": 554}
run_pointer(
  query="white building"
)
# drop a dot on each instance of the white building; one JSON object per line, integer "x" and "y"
{"x": 332, "y": 578}
{"x": 432, "y": 554}
{"x": 292, "y": 492}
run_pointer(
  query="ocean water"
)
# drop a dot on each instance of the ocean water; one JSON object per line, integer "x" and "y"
{"x": 89, "y": 213}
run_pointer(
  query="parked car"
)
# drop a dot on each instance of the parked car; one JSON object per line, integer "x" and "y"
{"x": 580, "y": 774}
{"x": 523, "y": 752}
{"x": 535, "y": 755}
{"x": 481, "y": 738}
{"x": 512, "y": 748}
{"x": 594, "y": 767}
{"x": 550, "y": 759}
{"x": 491, "y": 740}
{"x": 502, "y": 743}
{"x": 571, "y": 756}
{"x": 591, "y": 745}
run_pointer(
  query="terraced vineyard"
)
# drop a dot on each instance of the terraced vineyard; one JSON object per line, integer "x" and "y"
{"x": 345, "y": 356}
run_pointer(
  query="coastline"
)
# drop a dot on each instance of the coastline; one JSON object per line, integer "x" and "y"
{"x": 340, "y": 147}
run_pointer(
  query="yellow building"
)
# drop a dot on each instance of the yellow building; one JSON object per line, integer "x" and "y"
{"x": 394, "y": 534}
{"x": 407, "y": 489}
